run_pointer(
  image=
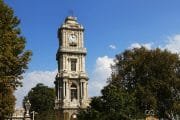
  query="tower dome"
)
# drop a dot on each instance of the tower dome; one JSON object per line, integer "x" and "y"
{"x": 71, "y": 22}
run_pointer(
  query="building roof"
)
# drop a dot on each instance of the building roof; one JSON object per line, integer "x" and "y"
{"x": 71, "y": 23}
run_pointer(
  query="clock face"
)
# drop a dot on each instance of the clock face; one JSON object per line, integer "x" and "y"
{"x": 72, "y": 38}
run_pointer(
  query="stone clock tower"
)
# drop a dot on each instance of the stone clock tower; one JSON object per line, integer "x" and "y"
{"x": 71, "y": 80}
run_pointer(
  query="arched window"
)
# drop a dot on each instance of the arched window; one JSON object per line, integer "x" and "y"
{"x": 73, "y": 91}
{"x": 73, "y": 64}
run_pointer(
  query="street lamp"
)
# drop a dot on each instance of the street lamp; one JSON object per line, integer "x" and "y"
{"x": 33, "y": 114}
{"x": 27, "y": 106}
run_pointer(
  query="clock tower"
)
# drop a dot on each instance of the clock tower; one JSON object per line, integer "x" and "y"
{"x": 71, "y": 82}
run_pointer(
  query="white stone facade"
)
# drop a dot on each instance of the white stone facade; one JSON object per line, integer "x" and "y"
{"x": 18, "y": 114}
{"x": 71, "y": 80}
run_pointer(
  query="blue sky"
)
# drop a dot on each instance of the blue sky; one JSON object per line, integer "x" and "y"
{"x": 119, "y": 23}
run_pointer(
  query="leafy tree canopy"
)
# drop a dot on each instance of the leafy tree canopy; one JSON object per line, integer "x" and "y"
{"x": 42, "y": 99}
{"x": 153, "y": 76}
{"x": 141, "y": 80}
{"x": 13, "y": 58}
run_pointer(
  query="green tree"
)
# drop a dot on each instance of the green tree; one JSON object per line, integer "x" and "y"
{"x": 114, "y": 104}
{"x": 153, "y": 76}
{"x": 42, "y": 99}
{"x": 13, "y": 58}
{"x": 142, "y": 80}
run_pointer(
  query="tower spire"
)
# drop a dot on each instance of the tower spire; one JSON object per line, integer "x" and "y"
{"x": 71, "y": 12}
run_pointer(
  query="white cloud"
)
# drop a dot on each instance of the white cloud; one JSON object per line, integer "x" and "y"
{"x": 99, "y": 75}
{"x": 31, "y": 79}
{"x": 138, "y": 45}
{"x": 173, "y": 44}
{"x": 112, "y": 47}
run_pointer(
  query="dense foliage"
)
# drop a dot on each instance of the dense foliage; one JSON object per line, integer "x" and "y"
{"x": 142, "y": 80}
{"x": 114, "y": 104}
{"x": 42, "y": 99}
{"x": 13, "y": 58}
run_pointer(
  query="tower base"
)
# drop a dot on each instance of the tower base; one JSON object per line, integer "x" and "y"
{"x": 66, "y": 114}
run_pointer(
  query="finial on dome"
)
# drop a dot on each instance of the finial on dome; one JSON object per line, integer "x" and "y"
{"x": 71, "y": 16}
{"x": 71, "y": 13}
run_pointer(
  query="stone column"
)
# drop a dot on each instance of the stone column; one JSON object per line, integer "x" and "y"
{"x": 83, "y": 63}
{"x": 60, "y": 93}
{"x": 83, "y": 89}
{"x": 58, "y": 89}
{"x": 69, "y": 64}
{"x": 64, "y": 89}
{"x": 79, "y": 40}
{"x": 65, "y": 40}
{"x": 65, "y": 60}
{"x": 67, "y": 90}
{"x": 79, "y": 63}
{"x": 82, "y": 40}
{"x": 62, "y": 38}
{"x": 86, "y": 90}
{"x": 82, "y": 92}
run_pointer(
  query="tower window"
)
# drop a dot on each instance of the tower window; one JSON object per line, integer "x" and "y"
{"x": 73, "y": 64}
{"x": 73, "y": 91}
